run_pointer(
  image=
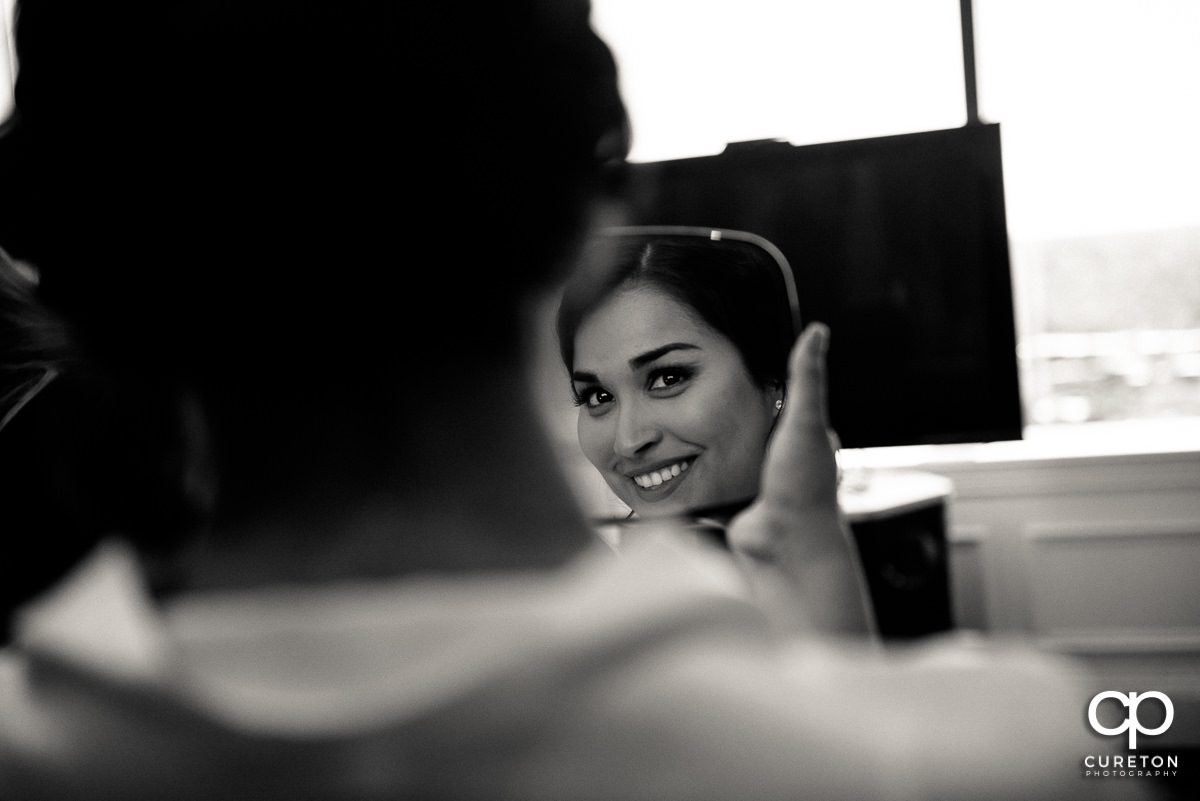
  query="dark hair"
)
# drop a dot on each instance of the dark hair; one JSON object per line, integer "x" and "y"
{"x": 271, "y": 203}
{"x": 735, "y": 287}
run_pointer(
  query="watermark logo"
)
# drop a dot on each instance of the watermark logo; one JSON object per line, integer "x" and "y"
{"x": 1131, "y": 724}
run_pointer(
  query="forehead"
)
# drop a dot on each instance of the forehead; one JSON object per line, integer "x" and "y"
{"x": 635, "y": 320}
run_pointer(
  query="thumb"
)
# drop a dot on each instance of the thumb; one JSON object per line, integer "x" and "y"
{"x": 800, "y": 468}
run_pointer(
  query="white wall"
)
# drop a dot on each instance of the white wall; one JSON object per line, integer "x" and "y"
{"x": 1076, "y": 547}
{"x": 1097, "y": 556}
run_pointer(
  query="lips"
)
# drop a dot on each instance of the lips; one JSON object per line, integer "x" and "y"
{"x": 663, "y": 475}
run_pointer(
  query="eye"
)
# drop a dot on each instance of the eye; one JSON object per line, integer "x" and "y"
{"x": 594, "y": 398}
{"x": 665, "y": 380}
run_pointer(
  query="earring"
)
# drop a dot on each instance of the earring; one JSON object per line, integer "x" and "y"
{"x": 779, "y": 405}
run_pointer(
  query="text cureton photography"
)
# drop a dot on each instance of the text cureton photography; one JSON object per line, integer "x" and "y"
{"x": 1132, "y": 764}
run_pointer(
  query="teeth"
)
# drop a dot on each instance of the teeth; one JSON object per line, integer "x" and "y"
{"x": 657, "y": 478}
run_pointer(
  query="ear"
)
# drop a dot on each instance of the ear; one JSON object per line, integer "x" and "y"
{"x": 777, "y": 394}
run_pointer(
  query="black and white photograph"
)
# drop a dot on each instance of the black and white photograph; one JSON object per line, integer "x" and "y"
{"x": 599, "y": 400}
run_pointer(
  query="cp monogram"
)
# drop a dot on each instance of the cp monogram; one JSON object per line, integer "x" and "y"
{"x": 1131, "y": 722}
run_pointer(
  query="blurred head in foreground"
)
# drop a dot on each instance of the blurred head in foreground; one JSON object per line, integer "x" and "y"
{"x": 301, "y": 216}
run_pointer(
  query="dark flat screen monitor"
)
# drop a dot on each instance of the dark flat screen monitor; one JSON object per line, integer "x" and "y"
{"x": 900, "y": 245}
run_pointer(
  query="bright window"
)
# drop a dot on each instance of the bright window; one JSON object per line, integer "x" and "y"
{"x": 697, "y": 74}
{"x": 7, "y": 58}
{"x": 1102, "y": 182}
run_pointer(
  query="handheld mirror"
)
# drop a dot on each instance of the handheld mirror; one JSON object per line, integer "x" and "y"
{"x": 676, "y": 340}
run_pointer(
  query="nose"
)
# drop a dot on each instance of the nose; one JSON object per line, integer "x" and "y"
{"x": 637, "y": 430}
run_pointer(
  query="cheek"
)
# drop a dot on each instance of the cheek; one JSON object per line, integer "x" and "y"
{"x": 744, "y": 435}
{"x": 739, "y": 436}
{"x": 688, "y": 418}
{"x": 753, "y": 451}
{"x": 734, "y": 414}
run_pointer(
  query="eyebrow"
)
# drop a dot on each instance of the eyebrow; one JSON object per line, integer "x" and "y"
{"x": 638, "y": 362}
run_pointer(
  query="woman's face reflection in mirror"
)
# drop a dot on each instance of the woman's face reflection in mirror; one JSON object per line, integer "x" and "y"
{"x": 676, "y": 364}
{"x": 669, "y": 414}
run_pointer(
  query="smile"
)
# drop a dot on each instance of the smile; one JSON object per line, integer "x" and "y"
{"x": 656, "y": 478}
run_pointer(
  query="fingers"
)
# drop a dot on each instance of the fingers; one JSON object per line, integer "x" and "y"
{"x": 800, "y": 466}
{"x": 806, "y": 375}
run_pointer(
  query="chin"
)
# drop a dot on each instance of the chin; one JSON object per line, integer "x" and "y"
{"x": 667, "y": 508}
